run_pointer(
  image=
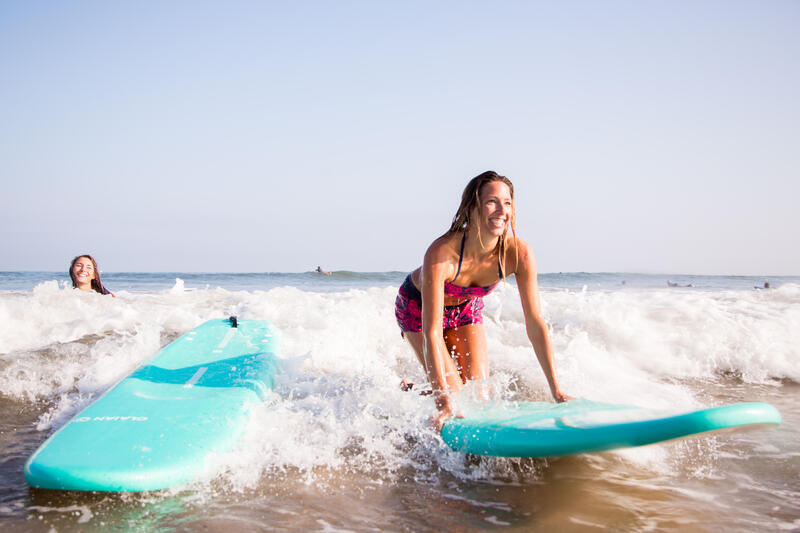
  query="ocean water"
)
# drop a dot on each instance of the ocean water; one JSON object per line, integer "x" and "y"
{"x": 340, "y": 448}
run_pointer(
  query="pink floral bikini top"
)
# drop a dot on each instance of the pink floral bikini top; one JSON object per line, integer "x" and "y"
{"x": 457, "y": 291}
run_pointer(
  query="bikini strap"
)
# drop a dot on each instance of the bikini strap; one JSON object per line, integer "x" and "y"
{"x": 460, "y": 256}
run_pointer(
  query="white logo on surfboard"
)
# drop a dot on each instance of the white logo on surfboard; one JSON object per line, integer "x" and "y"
{"x": 111, "y": 419}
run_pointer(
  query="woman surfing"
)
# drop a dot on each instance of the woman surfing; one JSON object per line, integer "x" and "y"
{"x": 439, "y": 306}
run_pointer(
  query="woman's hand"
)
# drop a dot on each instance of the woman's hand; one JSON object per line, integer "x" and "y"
{"x": 560, "y": 397}
{"x": 445, "y": 410}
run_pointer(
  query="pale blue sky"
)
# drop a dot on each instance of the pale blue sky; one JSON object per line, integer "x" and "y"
{"x": 276, "y": 136}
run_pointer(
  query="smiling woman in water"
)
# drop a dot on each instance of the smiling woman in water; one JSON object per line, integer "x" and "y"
{"x": 439, "y": 306}
{"x": 85, "y": 275}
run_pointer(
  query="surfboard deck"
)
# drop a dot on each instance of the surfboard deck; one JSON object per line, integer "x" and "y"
{"x": 156, "y": 428}
{"x": 541, "y": 429}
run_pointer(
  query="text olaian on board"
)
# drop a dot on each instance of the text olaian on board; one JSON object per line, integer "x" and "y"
{"x": 111, "y": 419}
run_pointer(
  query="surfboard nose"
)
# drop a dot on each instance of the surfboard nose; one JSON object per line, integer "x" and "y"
{"x": 158, "y": 427}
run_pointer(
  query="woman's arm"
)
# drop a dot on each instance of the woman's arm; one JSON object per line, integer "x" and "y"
{"x": 439, "y": 365}
{"x": 534, "y": 323}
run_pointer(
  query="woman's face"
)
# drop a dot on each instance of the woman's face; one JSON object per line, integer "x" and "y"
{"x": 83, "y": 271}
{"x": 496, "y": 208}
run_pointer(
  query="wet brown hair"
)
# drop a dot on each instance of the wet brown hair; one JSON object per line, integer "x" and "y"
{"x": 470, "y": 200}
{"x": 97, "y": 285}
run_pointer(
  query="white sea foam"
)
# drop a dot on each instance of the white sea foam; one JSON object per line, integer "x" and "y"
{"x": 337, "y": 404}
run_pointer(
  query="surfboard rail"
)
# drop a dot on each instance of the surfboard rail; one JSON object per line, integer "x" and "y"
{"x": 541, "y": 429}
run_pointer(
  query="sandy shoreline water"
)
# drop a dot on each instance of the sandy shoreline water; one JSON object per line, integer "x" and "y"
{"x": 340, "y": 448}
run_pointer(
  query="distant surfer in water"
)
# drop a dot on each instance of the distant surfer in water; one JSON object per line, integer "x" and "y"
{"x": 85, "y": 275}
{"x": 319, "y": 269}
{"x": 439, "y": 306}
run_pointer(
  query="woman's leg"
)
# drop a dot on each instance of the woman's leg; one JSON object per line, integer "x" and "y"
{"x": 467, "y": 344}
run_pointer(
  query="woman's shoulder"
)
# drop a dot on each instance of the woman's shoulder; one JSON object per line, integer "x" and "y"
{"x": 444, "y": 249}
{"x": 519, "y": 244}
{"x": 446, "y": 244}
{"x": 519, "y": 255}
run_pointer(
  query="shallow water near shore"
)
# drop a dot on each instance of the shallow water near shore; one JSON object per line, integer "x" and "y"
{"x": 339, "y": 447}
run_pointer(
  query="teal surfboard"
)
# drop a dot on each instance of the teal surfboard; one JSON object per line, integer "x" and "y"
{"x": 156, "y": 428}
{"x": 541, "y": 429}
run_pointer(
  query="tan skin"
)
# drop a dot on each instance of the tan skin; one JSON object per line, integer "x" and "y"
{"x": 84, "y": 273}
{"x": 470, "y": 358}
